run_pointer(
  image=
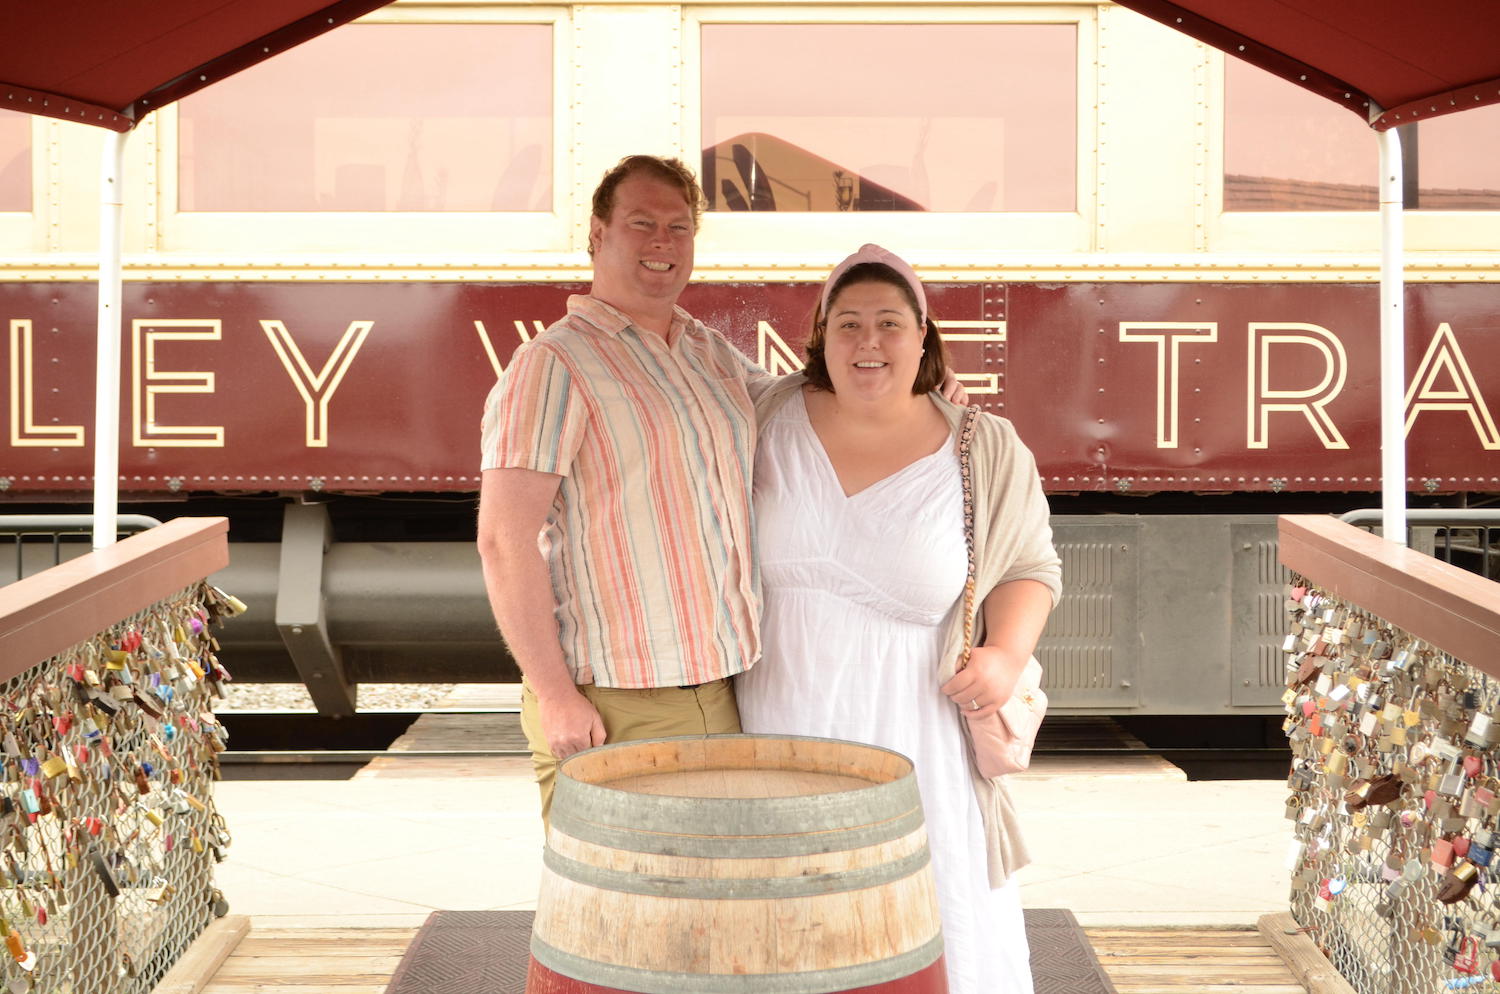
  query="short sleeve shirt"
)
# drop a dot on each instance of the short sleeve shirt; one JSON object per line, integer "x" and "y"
{"x": 649, "y": 543}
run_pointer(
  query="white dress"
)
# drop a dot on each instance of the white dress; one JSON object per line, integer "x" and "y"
{"x": 857, "y": 590}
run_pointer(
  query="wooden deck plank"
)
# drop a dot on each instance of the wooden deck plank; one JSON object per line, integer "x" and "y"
{"x": 1244, "y": 936}
{"x": 206, "y": 956}
{"x": 1138, "y": 961}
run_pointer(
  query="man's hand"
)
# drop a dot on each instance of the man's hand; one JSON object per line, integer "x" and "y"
{"x": 953, "y": 390}
{"x": 570, "y": 723}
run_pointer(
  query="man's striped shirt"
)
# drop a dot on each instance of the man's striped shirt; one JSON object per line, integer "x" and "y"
{"x": 649, "y": 543}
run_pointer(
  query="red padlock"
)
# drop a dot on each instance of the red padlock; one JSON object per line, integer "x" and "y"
{"x": 1472, "y": 765}
{"x": 1460, "y": 846}
{"x": 1467, "y": 960}
{"x": 1495, "y": 970}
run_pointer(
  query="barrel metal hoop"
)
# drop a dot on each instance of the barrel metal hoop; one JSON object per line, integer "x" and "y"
{"x": 728, "y": 846}
{"x": 713, "y": 816}
{"x": 737, "y": 888}
{"x": 808, "y": 982}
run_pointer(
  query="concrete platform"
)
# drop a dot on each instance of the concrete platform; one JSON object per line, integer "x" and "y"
{"x": 1139, "y": 847}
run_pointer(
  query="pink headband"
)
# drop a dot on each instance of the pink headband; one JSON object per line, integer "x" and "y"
{"x": 874, "y": 253}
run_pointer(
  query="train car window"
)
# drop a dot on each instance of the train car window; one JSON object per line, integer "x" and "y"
{"x": 378, "y": 117}
{"x": 15, "y": 161}
{"x": 890, "y": 117}
{"x": 1458, "y": 162}
{"x": 1286, "y": 149}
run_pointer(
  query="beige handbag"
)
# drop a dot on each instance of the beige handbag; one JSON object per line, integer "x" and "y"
{"x": 1003, "y": 740}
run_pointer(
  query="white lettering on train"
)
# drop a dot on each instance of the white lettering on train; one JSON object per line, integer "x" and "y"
{"x": 317, "y": 389}
{"x": 147, "y": 384}
{"x": 24, "y": 431}
{"x": 1308, "y": 401}
{"x": 1169, "y": 337}
{"x": 989, "y": 331}
{"x": 489, "y": 346}
{"x": 1444, "y": 357}
{"x": 773, "y": 353}
{"x": 1443, "y": 380}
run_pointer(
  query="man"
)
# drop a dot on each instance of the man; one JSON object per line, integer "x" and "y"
{"x": 624, "y": 436}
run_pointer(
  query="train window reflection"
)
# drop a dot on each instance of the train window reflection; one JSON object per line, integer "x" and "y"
{"x": 890, "y": 117}
{"x": 1287, "y": 149}
{"x": 15, "y": 161}
{"x": 378, "y": 117}
{"x": 1458, "y": 161}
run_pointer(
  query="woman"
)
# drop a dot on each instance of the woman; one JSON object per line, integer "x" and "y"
{"x": 860, "y": 539}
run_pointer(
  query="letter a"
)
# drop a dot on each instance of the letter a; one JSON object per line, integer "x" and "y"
{"x": 1444, "y": 356}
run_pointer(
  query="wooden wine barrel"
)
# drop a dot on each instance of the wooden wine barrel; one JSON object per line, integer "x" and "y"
{"x": 737, "y": 864}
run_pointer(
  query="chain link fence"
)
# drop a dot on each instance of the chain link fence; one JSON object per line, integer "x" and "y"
{"x": 1394, "y": 799}
{"x": 110, "y": 832}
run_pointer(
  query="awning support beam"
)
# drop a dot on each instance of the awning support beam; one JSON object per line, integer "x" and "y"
{"x": 1392, "y": 341}
{"x": 107, "y": 363}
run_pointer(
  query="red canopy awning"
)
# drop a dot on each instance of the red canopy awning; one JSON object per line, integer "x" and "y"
{"x": 1412, "y": 60}
{"x": 111, "y": 62}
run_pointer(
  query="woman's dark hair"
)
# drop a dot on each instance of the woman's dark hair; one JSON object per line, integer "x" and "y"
{"x": 934, "y": 364}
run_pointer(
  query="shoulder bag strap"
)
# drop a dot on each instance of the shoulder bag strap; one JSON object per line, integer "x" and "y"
{"x": 965, "y": 437}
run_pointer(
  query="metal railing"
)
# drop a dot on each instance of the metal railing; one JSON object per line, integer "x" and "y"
{"x": 1394, "y": 721}
{"x": 1467, "y": 537}
{"x": 33, "y": 533}
{"x": 108, "y": 830}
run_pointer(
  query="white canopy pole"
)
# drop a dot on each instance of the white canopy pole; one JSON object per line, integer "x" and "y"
{"x": 107, "y": 369}
{"x": 1392, "y": 343}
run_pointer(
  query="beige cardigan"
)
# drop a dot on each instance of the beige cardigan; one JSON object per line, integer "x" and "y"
{"x": 1012, "y": 541}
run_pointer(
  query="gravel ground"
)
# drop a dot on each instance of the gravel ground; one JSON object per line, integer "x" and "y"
{"x": 369, "y": 696}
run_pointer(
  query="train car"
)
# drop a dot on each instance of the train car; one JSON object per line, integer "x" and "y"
{"x": 1159, "y": 263}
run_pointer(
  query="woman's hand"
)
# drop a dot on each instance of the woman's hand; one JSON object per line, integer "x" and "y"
{"x": 988, "y": 681}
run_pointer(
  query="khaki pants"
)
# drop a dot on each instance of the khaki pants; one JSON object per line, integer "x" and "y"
{"x": 653, "y": 713}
